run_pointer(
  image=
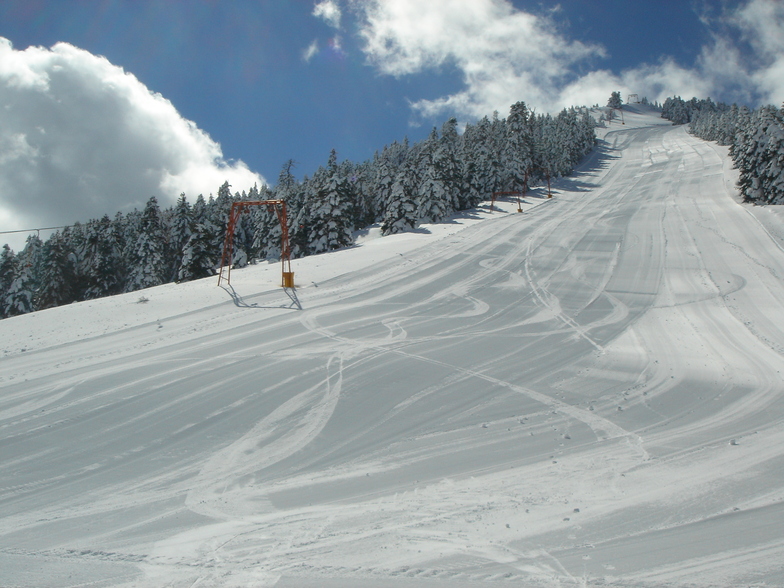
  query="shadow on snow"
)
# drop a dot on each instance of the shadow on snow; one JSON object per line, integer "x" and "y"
{"x": 240, "y": 302}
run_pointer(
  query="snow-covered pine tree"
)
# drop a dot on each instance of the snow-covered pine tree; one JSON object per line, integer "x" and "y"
{"x": 218, "y": 210}
{"x": 401, "y": 208}
{"x": 300, "y": 222}
{"x": 242, "y": 250}
{"x": 385, "y": 168}
{"x": 497, "y": 146}
{"x": 615, "y": 100}
{"x": 179, "y": 232}
{"x": 267, "y": 229}
{"x": 579, "y": 137}
{"x": 761, "y": 157}
{"x": 199, "y": 210}
{"x": 434, "y": 202}
{"x": 772, "y": 165}
{"x": 147, "y": 262}
{"x": 299, "y": 216}
{"x": 364, "y": 204}
{"x": 447, "y": 158}
{"x": 21, "y": 294}
{"x": 7, "y": 273}
{"x": 383, "y": 180}
{"x": 331, "y": 213}
{"x": 727, "y": 125}
{"x": 517, "y": 156}
{"x": 58, "y": 273}
{"x": 297, "y": 196}
{"x": 100, "y": 260}
{"x": 550, "y": 155}
{"x": 199, "y": 257}
{"x": 478, "y": 166}
{"x": 249, "y": 220}
{"x": 676, "y": 110}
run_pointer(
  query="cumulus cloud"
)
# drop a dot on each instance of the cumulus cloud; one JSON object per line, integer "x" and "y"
{"x": 504, "y": 55}
{"x": 80, "y": 137}
{"x": 329, "y": 11}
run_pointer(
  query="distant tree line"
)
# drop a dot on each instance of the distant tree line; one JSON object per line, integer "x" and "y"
{"x": 755, "y": 138}
{"x": 399, "y": 188}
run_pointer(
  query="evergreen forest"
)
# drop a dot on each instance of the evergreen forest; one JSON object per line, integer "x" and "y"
{"x": 755, "y": 139}
{"x": 402, "y": 186}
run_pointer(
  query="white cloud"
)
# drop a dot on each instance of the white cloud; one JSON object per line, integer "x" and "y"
{"x": 762, "y": 24}
{"x": 336, "y": 44}
{"x": 311, "y": 51}
{"x": 504, "y": 55}
{"x": 329, "y": 11}
{"x": 656, "y": 82}
{"x": 80, "y": 138}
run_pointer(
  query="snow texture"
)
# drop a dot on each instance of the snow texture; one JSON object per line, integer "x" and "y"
{"x": 588, "y": 393}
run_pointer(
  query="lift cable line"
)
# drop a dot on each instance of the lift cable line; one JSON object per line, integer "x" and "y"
{"x": 36, "y": 231}
{"x": 237, "y": 208}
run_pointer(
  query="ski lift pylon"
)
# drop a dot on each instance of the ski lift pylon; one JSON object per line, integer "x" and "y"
{"x": 237, "y": 208}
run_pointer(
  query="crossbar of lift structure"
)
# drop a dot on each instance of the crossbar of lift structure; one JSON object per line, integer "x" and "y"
{"x": 237, "y": 208}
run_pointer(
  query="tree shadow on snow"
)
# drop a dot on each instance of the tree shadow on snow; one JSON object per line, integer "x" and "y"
{"x": 596, "y": 161}
{"x": 457, "y": 216}
{"x": 240, "y": 302}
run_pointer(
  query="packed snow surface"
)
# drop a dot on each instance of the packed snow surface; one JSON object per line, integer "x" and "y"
{"x": 587, "y": 393}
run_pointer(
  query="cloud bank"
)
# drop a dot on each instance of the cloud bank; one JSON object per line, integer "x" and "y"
{"x": 80, "y": 137}
{"x": 504, "y": 55}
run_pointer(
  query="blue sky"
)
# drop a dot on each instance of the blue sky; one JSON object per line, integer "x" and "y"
{"x": 272, "y": 80}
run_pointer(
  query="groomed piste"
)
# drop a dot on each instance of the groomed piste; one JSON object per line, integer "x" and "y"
{"x": 588, "y": 393}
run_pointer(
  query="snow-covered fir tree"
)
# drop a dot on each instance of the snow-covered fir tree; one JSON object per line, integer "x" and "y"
{"x": 331, "y": 225}
{"x": 199, "y": 257}
{"x": 615, "y": 100}
{"x": 434, "y": 200}
{"x": 180, "y": 230}
{"x": 19, "y": 299}
{"x": 401, "y": 214}
{"x": 266, "y": 227}
{"x": 760, "y": 157}
{"x": 58, "y": 273}
{"x": 517, "y": 156}
{"x": 7, "y": 273}
{"x": 148, "y": 250}
{"x": 101, "y": 260}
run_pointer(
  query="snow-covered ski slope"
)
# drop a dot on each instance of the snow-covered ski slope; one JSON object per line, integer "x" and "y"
{"x": 588, "y": 393}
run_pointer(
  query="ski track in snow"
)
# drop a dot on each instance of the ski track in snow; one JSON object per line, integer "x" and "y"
{"x": 589, "y": 393}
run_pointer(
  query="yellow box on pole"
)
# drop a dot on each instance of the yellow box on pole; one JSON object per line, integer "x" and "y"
{"x": 288, "y": 279}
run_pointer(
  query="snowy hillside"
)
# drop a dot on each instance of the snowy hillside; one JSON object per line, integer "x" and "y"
{"x": 588, "y": 393}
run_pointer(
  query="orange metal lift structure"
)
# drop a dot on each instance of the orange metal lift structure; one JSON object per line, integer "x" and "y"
{"x": 237, "y": 208}
{"x": 523, "y": 193}
{"x": 497, "y": 194}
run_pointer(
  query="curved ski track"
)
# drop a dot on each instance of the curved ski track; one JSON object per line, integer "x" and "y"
{"x": 587, "y": 393}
